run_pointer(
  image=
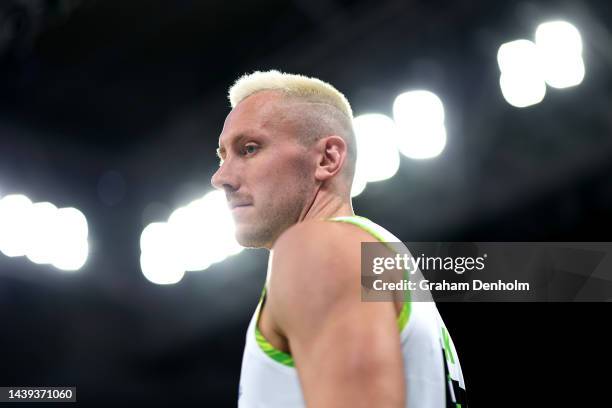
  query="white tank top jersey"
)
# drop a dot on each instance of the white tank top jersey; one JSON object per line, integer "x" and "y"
{"x": 432, "y": 372}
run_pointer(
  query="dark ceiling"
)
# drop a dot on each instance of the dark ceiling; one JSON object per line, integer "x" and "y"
{"x": 93, "y": 86}
{"x": 138, "y": 89}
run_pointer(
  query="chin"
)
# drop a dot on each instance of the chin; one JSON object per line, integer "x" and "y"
{"x": 248, "y": 238}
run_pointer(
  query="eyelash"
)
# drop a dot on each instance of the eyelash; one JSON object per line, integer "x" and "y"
{"x": 244, "y": 149}
{"x": 242, "y": 152}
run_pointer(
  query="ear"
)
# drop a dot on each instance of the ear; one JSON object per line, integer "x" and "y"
{"x": 332, "y": 154}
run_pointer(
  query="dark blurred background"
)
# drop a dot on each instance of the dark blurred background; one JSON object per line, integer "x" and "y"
{"x": 115, "y": 108}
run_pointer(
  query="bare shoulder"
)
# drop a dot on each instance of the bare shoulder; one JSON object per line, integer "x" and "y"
{"x": 315, "y": 266}
{"x": 316, "y": 249}
{"x": 344, "y": 349}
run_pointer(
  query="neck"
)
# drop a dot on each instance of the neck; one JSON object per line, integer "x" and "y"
{"x": 326, "y": 204}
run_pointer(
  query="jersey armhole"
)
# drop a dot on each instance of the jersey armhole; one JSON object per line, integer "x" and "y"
{"x": 265, "y": 346}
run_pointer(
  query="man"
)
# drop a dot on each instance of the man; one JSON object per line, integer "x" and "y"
{"x": 288, "y": 157}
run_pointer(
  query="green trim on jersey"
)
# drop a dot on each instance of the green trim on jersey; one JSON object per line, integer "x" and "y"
{"x": 276, "y": 354}
{"x": 286, "y": 358}
{"x": 447, "y": 348}
{"x": 362, "y": 222}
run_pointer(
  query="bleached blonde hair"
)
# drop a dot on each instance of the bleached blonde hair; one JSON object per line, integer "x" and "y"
{"x": 329, "y": 111}
{"x": 300, "y": 86}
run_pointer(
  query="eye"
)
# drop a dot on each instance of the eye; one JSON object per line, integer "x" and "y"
{"x": 249, "y": 149}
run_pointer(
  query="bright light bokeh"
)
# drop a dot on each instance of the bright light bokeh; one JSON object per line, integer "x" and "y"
{"x": 42, "y": 228}
{"x": 426, "y": 144}
{"x": 71, "y": 239}
{"x": 73, "y": 222}
{"x": 520, "y": 56}
{"x": 377, "y": 155}
{"x": 14, "y": 221}
{"x": 195, "y": 237}
{"x": 71, "y": 257}
{"x": 186, "y": 229}
{"x": 564, "y": 72}
{"x": 521, "y": 80}
{"x": 560, "y": 46}
{"x": 359, "y": 185}
{"x": 220, "y": 222}
{"x": 555, "y": 58}
{"x": 522, "y": 91}
{"x": 419, "y": 116}
{"x": 158, "y": 262}
{"x": 558, "y": 37}
{"x": 43, "y": 233}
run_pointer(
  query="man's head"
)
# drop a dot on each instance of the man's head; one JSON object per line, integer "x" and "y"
{"x": 287, "y": 139}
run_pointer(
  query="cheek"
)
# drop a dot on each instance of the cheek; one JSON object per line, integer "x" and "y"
{"x": 299, "y": 165}
{"x": 278, "y": 177}
{"x": 293, "y": 174}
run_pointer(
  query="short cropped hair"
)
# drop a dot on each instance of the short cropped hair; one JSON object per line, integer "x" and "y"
{"x": 292, "y": 84}
{"x": 330, "y": 111}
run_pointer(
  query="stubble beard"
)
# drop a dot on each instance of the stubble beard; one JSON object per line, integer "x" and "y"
{"x": 271, "y": 221}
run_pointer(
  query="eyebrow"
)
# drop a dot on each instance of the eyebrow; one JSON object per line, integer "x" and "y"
{"x": 237, "y": 140}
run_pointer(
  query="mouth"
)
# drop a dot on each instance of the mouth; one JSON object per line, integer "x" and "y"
{"x": 234, "y": 207}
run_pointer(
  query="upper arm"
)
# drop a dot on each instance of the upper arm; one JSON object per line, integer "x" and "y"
{"x": 347, "y": 352}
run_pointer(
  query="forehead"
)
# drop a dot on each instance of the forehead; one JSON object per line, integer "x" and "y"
{"x": 258, "y": 113}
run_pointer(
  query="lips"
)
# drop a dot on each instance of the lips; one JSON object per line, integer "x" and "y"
{"x": 239, "y": 205}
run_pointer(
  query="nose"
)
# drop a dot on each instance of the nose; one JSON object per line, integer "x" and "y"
{"x": 224, "y": 179}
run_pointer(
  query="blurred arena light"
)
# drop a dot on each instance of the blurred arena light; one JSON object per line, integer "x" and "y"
{"x": 194, "y": 237}
{"x": 14, "y": 221}
{"x": 43, "y": 223}
{"x": 43, "y": 233}
{"x": 521, "y": 81}
{"x": 419, "y": 116}
{"x": 72, "y": 246}
{"x": 560, "y": 46}
{"x": 555, "y": 58}
{"x": 158, "y": 260}
{"x": 377, "y": 155}
{"x": 359, "y": 185}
